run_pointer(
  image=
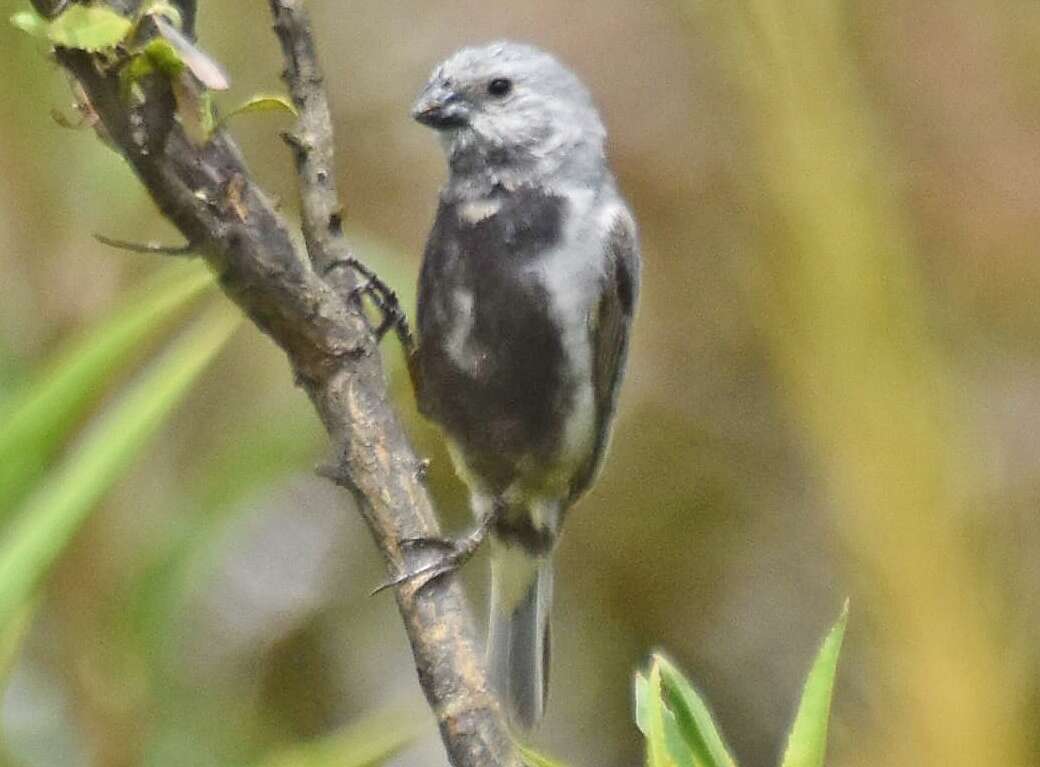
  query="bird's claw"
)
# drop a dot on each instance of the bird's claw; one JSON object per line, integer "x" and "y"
{"x": 455, "y": 554}
{"x": 434, "y": 542}
{"x": 384, "y": 298}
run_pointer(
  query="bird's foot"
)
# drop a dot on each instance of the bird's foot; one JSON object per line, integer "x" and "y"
{"x": 384, "y": 298}
{"x": 453, "y": 553}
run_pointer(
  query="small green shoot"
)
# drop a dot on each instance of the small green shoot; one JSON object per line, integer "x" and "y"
{"x": 807, "y": 743}
{"x": 680, "y": 731}
{"x": 261, "y": 103}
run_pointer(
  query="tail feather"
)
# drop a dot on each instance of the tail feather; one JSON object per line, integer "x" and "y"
{"x": 518, "y": 646}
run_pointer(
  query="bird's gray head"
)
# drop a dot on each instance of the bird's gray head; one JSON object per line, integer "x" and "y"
{"x": 511, "y": 114}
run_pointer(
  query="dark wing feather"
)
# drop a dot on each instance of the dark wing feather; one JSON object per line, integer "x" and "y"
{"x": 609, "y": 329}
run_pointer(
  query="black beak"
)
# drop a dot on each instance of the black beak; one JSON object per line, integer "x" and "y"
{"x": 438, "y": 107}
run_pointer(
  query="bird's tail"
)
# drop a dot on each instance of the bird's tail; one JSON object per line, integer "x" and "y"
{"x": 518, "y": 645}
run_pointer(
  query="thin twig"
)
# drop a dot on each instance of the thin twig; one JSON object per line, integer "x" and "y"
{"x": 311, "y": 141}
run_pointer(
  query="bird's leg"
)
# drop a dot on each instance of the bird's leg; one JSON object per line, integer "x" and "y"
{"x": 455, "y": 552}
{"x": 385, "y": 299}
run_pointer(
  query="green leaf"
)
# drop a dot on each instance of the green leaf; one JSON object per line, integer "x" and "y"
{"x": 807, "y": 743}
{"x": 88, "y": 28}
{"x": 262, "y": 103}
{"x": 678, "y": 746}
{"x": 695, "y": 722}
{"x": 657, "y": 751}
{"x": 54, "y": 512}
{"x": 161, "y": 57}
{"x": 37, "y": 419}
{"x": 534, "y": 759}
{"x": 365, "y": 743}
{"x": 30, "y": 22}
{"x": 642, "y": 687}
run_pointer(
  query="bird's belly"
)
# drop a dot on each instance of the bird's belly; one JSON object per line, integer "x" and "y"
{"x": 500, "y": 377}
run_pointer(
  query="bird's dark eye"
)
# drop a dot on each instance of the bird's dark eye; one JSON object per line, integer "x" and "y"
{"x": 500, "y": 86}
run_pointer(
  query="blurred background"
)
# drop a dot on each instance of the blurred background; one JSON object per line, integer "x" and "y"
{"x": 834, "y": 391}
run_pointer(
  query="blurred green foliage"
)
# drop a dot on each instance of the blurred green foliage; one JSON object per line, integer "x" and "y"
{"x": 58, "y": 505}
{"x": 38, "y": 419}
{"x": 45, "y": 505}
{"x": 681, "y": 732}
{"x": 834, "y": 389}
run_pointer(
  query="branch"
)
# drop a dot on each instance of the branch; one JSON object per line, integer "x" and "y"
{"x": 207, "y": 192}
{"x": 312, "y": 141}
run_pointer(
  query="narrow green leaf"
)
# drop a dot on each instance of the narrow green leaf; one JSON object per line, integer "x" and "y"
{"x": 365, "y": 743}
{"x": 642, "y": 687}
{"x": 54, "y": 512}
{"x": 261, "y": 103}
{"x": 678, "y": 745}
{"x": 30, "y": 22}
{"x": 694, "y": 719}
{"x": 657, "y": 752}
{"x": 807, "y": 742}
{"x": 36, "y": 420}
{"x": 88, "y": 28}
{"x": 534, "y": 759}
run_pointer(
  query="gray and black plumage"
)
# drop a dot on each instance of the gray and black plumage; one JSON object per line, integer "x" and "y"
{"x": 526, "y": 296}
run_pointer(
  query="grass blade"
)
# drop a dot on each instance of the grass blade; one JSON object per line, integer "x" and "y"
{"x": 657, "y": 752}
{"x": 677, "y": 745}
{"x": 693, "y": 717}
{"x": 807, "y": 742}
{"x": 642, "y": 695}
{"x": 53, "y": 513}
{"x": 37, "y": 419}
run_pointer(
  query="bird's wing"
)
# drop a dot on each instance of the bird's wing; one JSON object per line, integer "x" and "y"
{"x": 609, "y": 328}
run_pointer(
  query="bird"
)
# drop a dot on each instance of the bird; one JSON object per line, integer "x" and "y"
{"x": 527, "y": 292}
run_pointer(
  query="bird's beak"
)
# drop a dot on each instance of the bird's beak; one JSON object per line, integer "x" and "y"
{"x": 440, "y": 108}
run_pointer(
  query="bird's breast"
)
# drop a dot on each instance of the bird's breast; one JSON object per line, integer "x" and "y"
{"x": 505, "y": 352}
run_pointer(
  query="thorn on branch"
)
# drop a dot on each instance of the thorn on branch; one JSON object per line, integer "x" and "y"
{"x": 147, "y": 247}
{"x": 300, "y": 146}
{"x": 86, "y": 119}
{"x": 333, "y": 469}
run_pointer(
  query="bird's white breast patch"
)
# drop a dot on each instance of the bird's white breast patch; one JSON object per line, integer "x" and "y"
{"x": 570, "y": 275}
{"x": 458, "y": 341}
{"x": 475, "y": 211}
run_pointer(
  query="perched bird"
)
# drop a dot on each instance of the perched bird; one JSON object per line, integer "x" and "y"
{"x": 526, "y": 296}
